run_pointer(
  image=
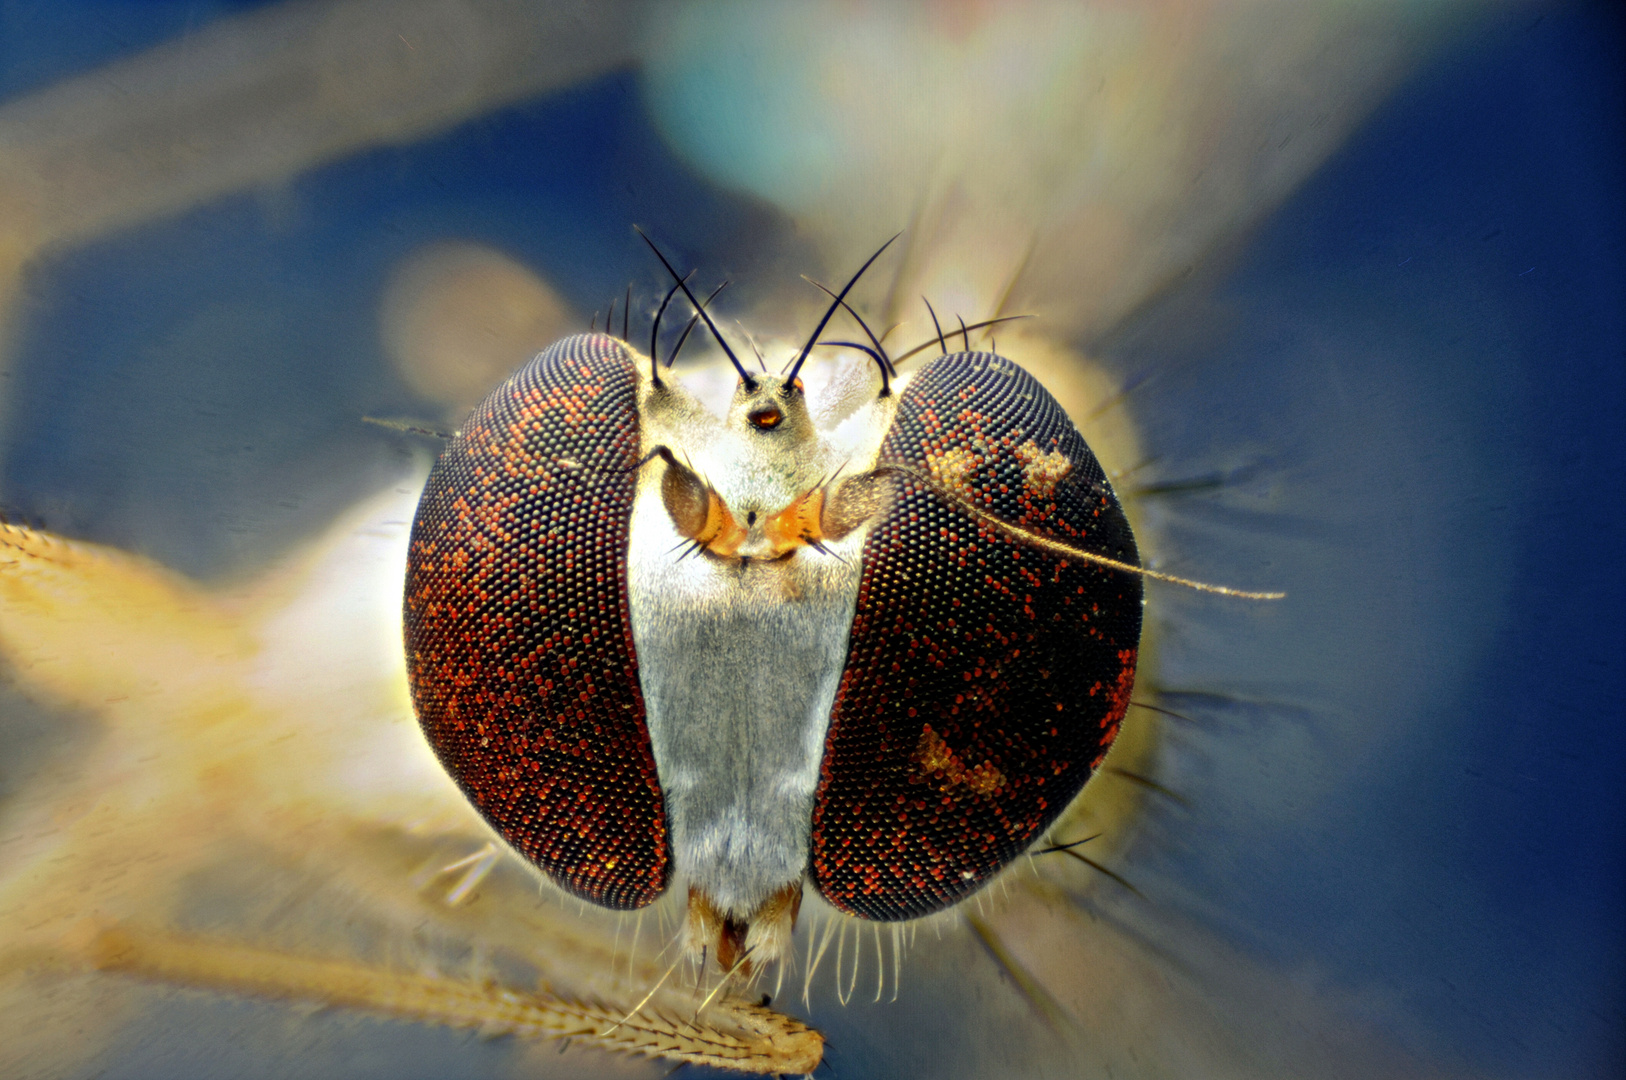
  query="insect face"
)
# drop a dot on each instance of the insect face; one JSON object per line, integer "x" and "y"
{"x": 880, "y": 654}
{"x": 740, "y": 649}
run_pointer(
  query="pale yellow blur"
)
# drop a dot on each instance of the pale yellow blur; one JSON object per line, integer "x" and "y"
{"x": 458, "y": 318}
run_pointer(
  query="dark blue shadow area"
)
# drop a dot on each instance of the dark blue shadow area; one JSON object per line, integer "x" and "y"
{"x": 1426, "y": 346}
{"x": 193, "y": 389}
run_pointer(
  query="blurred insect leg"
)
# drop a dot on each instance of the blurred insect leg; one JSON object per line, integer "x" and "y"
{"x": 1035, "y": 993}
{"x": 733, "y": 1034}
{"x": 475, "y": 867}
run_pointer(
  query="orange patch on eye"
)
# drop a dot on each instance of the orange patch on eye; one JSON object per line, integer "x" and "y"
{"x": 934, "y": 757}
{"x": 1042, "y": 471}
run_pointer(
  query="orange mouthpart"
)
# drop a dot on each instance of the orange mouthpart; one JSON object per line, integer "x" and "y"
{"x": 719, "y": 534}
{"x": 797, "y": 525}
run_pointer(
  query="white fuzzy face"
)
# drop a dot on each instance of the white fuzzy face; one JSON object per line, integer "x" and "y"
{"x": 741, "y": 642}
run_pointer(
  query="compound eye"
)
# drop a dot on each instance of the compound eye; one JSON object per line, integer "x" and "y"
{"x": 560, "y": 764}
{"x": 921, "y": 802}
{"x": 766, "y": 418}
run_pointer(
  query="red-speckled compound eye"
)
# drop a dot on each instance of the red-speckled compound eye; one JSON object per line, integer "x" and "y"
{"x": 519, "y": 647}
{"x": 985, "y": 677}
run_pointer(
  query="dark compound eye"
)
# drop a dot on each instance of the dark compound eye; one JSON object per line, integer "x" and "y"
{"x": 985, "y": 677}
{"x": 525, "y": 683}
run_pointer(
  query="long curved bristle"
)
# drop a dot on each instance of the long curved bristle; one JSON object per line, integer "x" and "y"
{"x": 745, "y": 376}
{"x": 859, "y": 319}
{"x": 762, "y": 365}
{"x": 819, "y": 329}
{"x": 693, "y": 321}
{"x": 1064, "y": 847}
{"x": 886, "y": 384}
{"x": 1046, "y": 543}
{"x": 688, "y": 328}
{"x": 936, "y": 325}
{"x": 655, "y": 327}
